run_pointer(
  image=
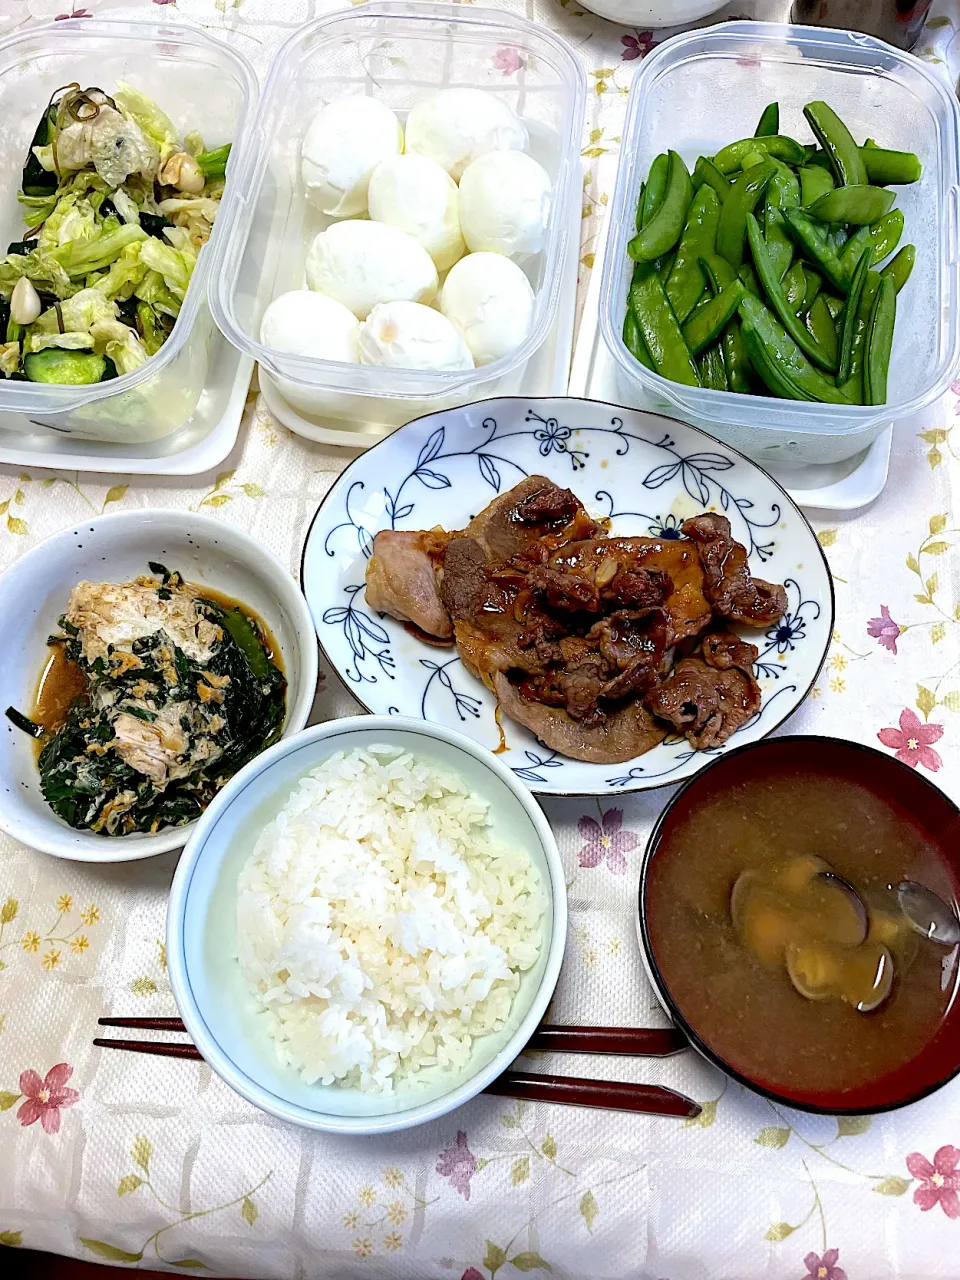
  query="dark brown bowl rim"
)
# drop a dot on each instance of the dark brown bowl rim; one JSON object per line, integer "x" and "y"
{"x": 653, "y": 969}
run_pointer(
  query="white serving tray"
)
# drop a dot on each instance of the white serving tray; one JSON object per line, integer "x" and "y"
{"x": 201, "y": 443}
{"x": 838, "y": 486}
{"x": 546, "y": 374}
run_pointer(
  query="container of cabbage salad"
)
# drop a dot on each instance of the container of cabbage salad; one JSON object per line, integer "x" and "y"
{"x": 102, "y": 331}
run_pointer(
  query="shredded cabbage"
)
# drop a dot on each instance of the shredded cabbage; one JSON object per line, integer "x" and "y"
{"x": 156, "y": 124}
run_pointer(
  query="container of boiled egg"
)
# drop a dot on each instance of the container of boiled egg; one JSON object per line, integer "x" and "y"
{"x": 405, "y": 209}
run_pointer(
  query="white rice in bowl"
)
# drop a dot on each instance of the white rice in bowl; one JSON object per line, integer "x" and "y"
{"x": 380, "y": 928}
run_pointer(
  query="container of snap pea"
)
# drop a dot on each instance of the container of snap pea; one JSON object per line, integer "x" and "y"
{"x": 767, "y": 212}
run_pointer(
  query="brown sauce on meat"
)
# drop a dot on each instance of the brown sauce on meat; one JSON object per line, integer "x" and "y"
{"x": 747, "y": 1010}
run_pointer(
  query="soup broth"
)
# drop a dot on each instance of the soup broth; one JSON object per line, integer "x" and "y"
{"x": 744, "y": 1007}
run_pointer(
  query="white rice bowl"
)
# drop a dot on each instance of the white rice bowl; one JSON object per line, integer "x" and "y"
{"x": 380, "y": 929}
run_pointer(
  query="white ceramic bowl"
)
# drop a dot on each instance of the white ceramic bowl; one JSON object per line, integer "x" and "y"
{"x": 201, "y": 929}
{"x": 116, "y": 548}
{"x": 653, "y": 13}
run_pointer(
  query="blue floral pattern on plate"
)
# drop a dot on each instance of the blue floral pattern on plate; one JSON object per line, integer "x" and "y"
{"x": 645, "y": 473}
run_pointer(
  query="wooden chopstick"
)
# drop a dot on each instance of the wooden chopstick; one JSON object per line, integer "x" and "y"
{"x": 574, "y": 1091}
{"x": 648, "y": 1042}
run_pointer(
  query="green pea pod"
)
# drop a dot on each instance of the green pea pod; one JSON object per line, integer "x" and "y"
{"x": 812, "y": 286}
{"x": 879, "y": 343}
{"x": 783, "y": 190}
{"x": 778, "y": 299}
{"x": 633, "y": 340}
{"x": 730, "y": 158}
{"x": 653, "y": 192}
{"x": 711, "y": 318}
{"x": 795, "y": 286}
{"x": 882, "y": 238}
{"x": 837, "y": 239}
{"x": 661, "y": 233}
{"x": 837, "y": 141}
{"x": 822, "y": 328}
{"x": 665, "y": 265}
{"x": 748, "y": 278}
{"x": 834, "y": 305}
{"x": 814, "y": 183}
{"x": 686, "y": 281}
{"x": 890, "y": 168}
{"x": 900, "y": 268}
{"x": 857, "y": 206}
{"x": 764, "y": 363}
{"x": 712, "y": 372}
{"x": 741, "y": 200}
{"x": 778, "y": 351}
{"x": 811, "y": 238}
{"x": 853, "y": 385}
{"x": 849, "y": 326}
{"x": 735, "y": 359}
{"x": 659, "y": 328}
{"x": 718, "y": 271}
{"x": 769, "y": 121}
{"x": 884, "y": 168}
{"x": 707, "y": 172}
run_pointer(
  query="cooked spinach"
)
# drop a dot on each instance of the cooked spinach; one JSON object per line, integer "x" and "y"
{"x": 203, "y": 719}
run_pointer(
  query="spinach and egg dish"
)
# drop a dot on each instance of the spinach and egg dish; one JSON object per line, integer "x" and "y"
{"x": 155, "y": 695}
{"x": 117, "y": 207}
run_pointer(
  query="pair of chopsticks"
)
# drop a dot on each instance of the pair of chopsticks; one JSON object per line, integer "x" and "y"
{"x": 611, "y": 1095}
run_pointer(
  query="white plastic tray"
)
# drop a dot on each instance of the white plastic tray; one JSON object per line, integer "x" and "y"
{"x": 201, "y": 443}
{"x": 546, "y": 374}
{"x": 840, "y": 486}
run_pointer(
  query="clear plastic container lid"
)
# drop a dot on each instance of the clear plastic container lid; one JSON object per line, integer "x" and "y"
{"x": 400, "y": 54}
{"x": 701, "y": 90}
{"x": 200, "y": 82}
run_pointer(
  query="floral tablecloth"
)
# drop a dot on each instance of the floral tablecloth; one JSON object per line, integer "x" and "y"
{"x": 152, "y": 1162}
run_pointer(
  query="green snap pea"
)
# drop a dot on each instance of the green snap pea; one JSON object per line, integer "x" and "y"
{"x": 705, "y": 171}
{"x": 686, "y": 281}
{"x": 718, "y": 270}
{"x": 853, "y": 385}
{"x": 748, "y": 278}
{"x": 769, "y": 121}
{"x": 837, "y": 141}
{"x": 775, "y": 354}
{"x": 837, "y": 239}
{"x": 659, "y": 328}
{"x": 795, "y": 286}
{"x": 741, "y": 200}
{"x": 711, "y": 318}
{"x": 811, "y": 238}
{"x": 812, "y": 286}
{"x": 783, "y": 191}
{"x": 856, "y": 206}
{"x": 730, "y": 158}
{"x": 661, "y": 233}
{"x": 665, "y": 266}
{"x": 890, "y": 168}
{"x": 858, "y": 280}
{"x": 884, "y": 168}
{"x": 882, "y": 238}
{"x": 633, "y": 340}
{"x": 814, "y": 183}
{"x": 778, "y": 300}
{"x": 834, "y": 304}
{"x": 652, "y": 195}
{"x": 879, "y": 343}
{"x": 900, "y": 268}
{"x": 820, "y": 323}
{"x": 712, "y": 372}
{"x": 735, "y": 358}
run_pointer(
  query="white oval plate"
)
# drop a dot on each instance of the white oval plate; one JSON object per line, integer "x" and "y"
{"x": 646, "y": 472}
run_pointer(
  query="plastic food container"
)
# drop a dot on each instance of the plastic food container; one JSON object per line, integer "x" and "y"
{"x": 704, "y": 89}
{"x": 201, "y": 84}
{"x": 400, "y": 54}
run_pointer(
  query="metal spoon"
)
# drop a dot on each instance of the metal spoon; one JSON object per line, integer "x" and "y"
{"x": 929, "y": 915}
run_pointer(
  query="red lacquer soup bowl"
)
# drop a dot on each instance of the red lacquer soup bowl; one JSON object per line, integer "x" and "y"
{"x": 773, "y": 819}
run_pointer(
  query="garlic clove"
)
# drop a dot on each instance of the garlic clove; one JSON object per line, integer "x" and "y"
{"x": 181, "y": 171}
{"x": 25, "y": 304}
